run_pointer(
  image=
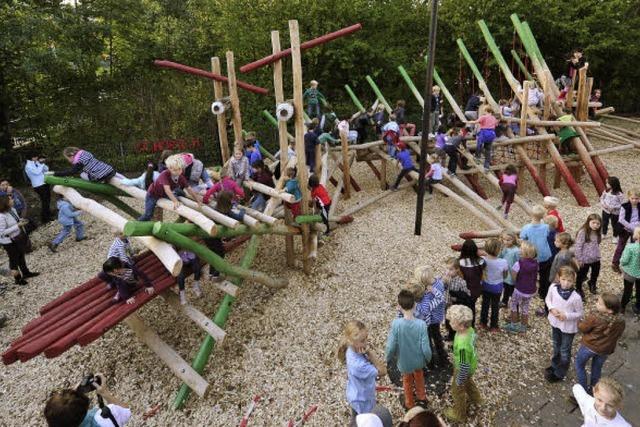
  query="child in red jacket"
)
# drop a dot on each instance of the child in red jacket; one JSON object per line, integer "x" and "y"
{"x": 322, "y": 200}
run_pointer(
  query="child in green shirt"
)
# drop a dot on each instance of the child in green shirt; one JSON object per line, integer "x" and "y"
{"x": 463, "y": 389}
{"x": 312, "y": 97}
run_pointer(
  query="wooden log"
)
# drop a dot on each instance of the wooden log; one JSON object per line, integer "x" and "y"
{"x": 227, "y": 287}
{"x": 211, "y": 213}
{"x": 481, "y": 234}
{"x": 236, "y": 117}
{"x": 604, "y": 111}
{"x": 624, "y": 119}
{"x": 202, "y": 321}
{"x": 345, "y": 165}
{"x": 169, "y": 356}
{"x": 373, "y": 199}
{"x": 260, "y": 216}
{"x": 553, "y": 123}
{"x": 270, "y": 191}
{"x": 524, "y": 140}
{"x": 589, "y": 165}
{"x": 220, "y": 118}
{"x": 525, "y": 108}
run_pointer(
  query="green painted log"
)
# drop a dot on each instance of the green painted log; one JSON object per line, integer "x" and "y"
{"x": 476, "y": 72}
{"x": 124, "y": 207}
{"x": 267, "y": 115}
{"x": 527, "y": 74}
{"x": 308, "y": 219}
{"x": 81, "y": 184}
{"x": 163, "y": 232}
{"x": 502, "y": 63}
{"x": 355, "y": 99}
{"x": 412, "y": 87}
{"x": 534, "y": 43}
{"x": 145, "y": 228}
{"x": 220, "y": 319}
{"x": 378, "y": 93}
{"x": 526, "y": 42}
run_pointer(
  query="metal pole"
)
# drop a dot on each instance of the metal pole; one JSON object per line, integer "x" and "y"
{"x": 426, "y": 116}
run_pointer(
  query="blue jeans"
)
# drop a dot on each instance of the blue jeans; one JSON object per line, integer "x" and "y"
{"x": 259, "y": 202}
{"x": 561, "y": 352}
{"x": 313, "y": 110}
{"x": 150, "y": 203}
{"x": 582, "y": 358}
{"x": 66, "y": 230}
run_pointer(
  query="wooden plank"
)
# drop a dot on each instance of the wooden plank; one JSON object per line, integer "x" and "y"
{"x": 227, "y": 287}
{"x": 236, "y": 117}
{"x": 218, "y": 92}
{"x": 198, "y": 317}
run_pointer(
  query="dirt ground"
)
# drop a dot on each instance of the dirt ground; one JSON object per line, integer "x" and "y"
{"x": 281, "y": 344}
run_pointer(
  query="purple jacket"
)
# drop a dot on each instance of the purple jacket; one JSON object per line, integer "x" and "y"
{"x": 527, "y": 275}
{"x": 587, "y": 252}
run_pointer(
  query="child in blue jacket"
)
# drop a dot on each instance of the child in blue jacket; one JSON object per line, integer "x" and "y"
{"x": 68, "y": 218}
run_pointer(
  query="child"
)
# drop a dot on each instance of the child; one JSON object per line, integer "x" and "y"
{"x": 362, "y": 368}
{"x": 408, "y": 129}
{"x": 291, "y": 186}
{"x": 472, "y": 267}
{"x": 463, "y": 390}
{"x": 239, "y": 169}
{"x": 431, "y": 304}
{"x": 408, "y": 341}
{"x": 509, "y": 185}
{"x": 262, "y": 175}
{"x": 550, "y": 203}
{"x": 628, "y": 220}
{"x": 310, "y": 142}
{"x": 496, "y": 271}
{"x": 510, "y": 253}
{"x": 587, "y": 249}
{"x": 391, "y": 135}
{"x": 322, "y": 200}
{"x": 434, "y": 176}
{"x": 600, "y": 334}
{"x": 124, "y": 278}
{"x": 564, "y": 257}
{"x": 602, "y": 409}
{"x": 170, "y": 183}
{"x": 225, "y": 184}
{"x": 455, "y": 140}
{"x": 486, "y": 135}
{"x": 68, "y": 218}
{"x": 630, "y": 262}
{"x": 457, "y": 290}
{"x": 406, "y": 163}
{"x": 90, "y": 168}
{"x": 252, "y": 152}
{"x": 195, "y": 171}
{"x": 611, "y": 200}
{"x": 190, "y": 263}
{"x": 536, "y": 232}
{"x": 552, "y": 222}
{"x": 505, "y": 108}
{"x": 565, "y": 309}
{"x": 145, "y": 180}
{"x": 121, "y": 248}
{"x": 524, "y": 272}
{"x": 313, "y": 97}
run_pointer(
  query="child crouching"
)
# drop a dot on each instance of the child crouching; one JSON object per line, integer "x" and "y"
{"x": 124, "y": 278}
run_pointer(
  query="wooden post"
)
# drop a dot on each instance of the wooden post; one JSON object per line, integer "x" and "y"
{"x": 383, "y": 174}
{"x": 346, "y": 170}
{"x": 235, "y": 103}
{"x": 525, "y": 107}
{"x": 194, "y": 314}
{"x": 580, "y": 98}
{"x": 303, "y": 175}
{"x": 218, "y": 92}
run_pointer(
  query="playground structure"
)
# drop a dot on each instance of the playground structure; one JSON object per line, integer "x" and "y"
{"x": 83, "y": 314}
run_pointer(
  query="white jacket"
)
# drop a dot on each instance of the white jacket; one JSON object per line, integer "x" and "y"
{"x": 8, "y": 226}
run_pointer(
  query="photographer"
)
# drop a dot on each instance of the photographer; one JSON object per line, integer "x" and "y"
{"x": 70, "y": 407}
{"x": 35, "y": 170}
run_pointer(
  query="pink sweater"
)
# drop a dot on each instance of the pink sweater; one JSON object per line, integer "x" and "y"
{"x": 571, "y": 307}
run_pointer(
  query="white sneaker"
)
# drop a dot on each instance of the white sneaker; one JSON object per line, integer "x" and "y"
{"x": 183, "y": 298}
{"x": 615, "y": 240}
{"x": 196, "y": 289}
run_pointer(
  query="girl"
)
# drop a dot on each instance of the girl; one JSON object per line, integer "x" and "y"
{"x": 628, "y": 220}
{"x": 587, "y": 249}
{"x": 611, "y": 201}
{"x": 434, "y": 176}
{"x": 190, "y": 264}
{"x": 550, "y": 203}
{"x": 362, "y": 368}
{"x": 431, "y": 308}
{"x": 472, "y": 267}
{"x": 195, "y": 171}
{"x": 600, "y": 334}
{"x": 508, "y": 185}
{"x": 262, "y": 175}
{"x": 145, "y": 180}
{"x": 524, "y": 272}
{"x": 564, "y": 257}
{"x": 12, "y": 242}
{"x": 292, "y": 186}
{"x": 602, "y": 409}
{"x": 486, "y": 135}
{"x": 239, "y": 169}
{"x": 124, "y": 278}
{"x": 537, "y": 232}
{"x": 565, "y": 309}
{"x": 456, "y": 289}
{"x": 89, "y": 168}
{"x": 511, "y": 253}
{"x": 630, "y": 262}
{"x": 495, "y": 273}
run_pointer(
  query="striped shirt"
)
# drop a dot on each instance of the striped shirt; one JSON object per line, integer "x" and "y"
{"x": 121, "y": 249}
{"x": 84, "y": 161}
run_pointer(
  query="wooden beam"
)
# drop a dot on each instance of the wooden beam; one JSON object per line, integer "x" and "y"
{"x": 202, "y": 321}
{"x": 346, "y": 170}
{"x": 227, "y": 287}
{"x": 236, "y": 117}
{"x": 218, "y": 92}
{"x": 554, "y": 123}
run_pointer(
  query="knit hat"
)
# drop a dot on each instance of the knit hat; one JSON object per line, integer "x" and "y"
{"x": 368, "y": 420}
{"x": 550, "y": 200}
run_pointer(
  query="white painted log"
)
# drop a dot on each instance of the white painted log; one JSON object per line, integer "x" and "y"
{"x": 227, "y": 287}
{"x": 269, "y": 191}
{"x": 218, "y": 217}
{"x": 260, "y": 216}
{"x": 168, "y": 355}
{"x": 164, "y": 251}
{"x": 198, "y": 317}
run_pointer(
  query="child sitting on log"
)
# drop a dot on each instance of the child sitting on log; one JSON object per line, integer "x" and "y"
{"x": 239, "y": 169}
{"x": 124, "y": 278}
{"x": 322, "y": 200}
{"x": 434, "y": 176}
{"x": 170, "y": 184}
{"x": 190, "y": 264}
{"x": 406, "y": 163}
{"x": 292, "y": 186}
{"x": 85, "y": 164}
{"x": 68, "y": 218}
{"x": 262, "y": 175}
{"x": 195, "y": 171}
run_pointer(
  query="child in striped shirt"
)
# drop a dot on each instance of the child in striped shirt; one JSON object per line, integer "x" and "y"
{"x": 124, "y": 278}
{"x": 85, "y": 164}
{"x": 431, "y": 308}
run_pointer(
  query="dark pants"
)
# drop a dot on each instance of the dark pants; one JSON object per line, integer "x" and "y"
{"x": 472, "y": 306}
{"x": 605, "y": 223}
{"x": 508, "y": 194}
{"x": 561, "y": 358}
{"x": 628, "y": 292}
{"x": 402, "y": 174}
{"x": 437, "y": 344}
{"x": 452, "y": 152}
{"x": 623, "y": 236}
{"x": 582, "y": 276}
{"x": 544, "y": 269}
{"x": 192, "y": 266}
{"x": 16, "y": 258}
{"x": 324, "y": 214}
{"x": 430, "y": 184}
{"x": 44, "y": 193}
{"x": 215, "y": 245}
{"x": 506, "y": 293}
{"x": 490, "y": 300}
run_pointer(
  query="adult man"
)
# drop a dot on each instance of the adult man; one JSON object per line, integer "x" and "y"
{"x": 35, "y": 170}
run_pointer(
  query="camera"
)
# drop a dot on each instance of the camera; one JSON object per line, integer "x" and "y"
{"x": 88, "y": 383}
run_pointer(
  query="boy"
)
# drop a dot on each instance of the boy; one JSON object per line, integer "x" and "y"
{"x": 536, "y": 232}
{"x": 170, "y": 183}
{"x": 602, "y": 408}
{"x": 463, "y": 389}
{"x": 322, "y": 200}
{"x": 313, "y": 97}
{"x": 408, "y": 342}
{"x": 253, "y": 152}
{"x": 406, "y": 162}
{"x": 310, "y": 143}
{"x": 68, "y": 218}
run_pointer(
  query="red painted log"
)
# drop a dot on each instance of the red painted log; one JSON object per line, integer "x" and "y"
{"x": 306, "y": 45}
{"x": 561, "y": 167}
{"x": 475, "y": 185}
{"x": 589, "y": 165}
{"x": 542, "y": 186}
{"x": 235, "y": 243}
{"x": 208, "y": 75}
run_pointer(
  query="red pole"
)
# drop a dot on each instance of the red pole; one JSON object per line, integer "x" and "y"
{"x": 208, "y": 75}
{"x": 306, "y": 45}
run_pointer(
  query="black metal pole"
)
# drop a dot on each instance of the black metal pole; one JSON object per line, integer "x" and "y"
{"x": 426, "y": 115}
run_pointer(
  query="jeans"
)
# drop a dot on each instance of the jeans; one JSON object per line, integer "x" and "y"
{"x": 507, "y": 291}
{"x": 561, "y": 352}
{"x": 16, "y": 257}
{"x": 259, "y": 202}
{"x": 66, "y": 230}
{"x": 605, "y": 223}
{"x": 150, "y": 203}
{"x": 582, "y": 276}
{"x": 490, "y": 300}
{"x": 487, "y": 154}
{"x": 582, "y": 358}
{"x": 313, "y": 110}
{"x": 452, "y": 152}
{"x": 544, "y": 269}
{"x": 391, "y": 149}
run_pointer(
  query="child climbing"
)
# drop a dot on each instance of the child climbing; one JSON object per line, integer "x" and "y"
{"x": 587, "y": 250}
{"x": 524, "y": 271}
{"x": 509, "y": 185}
{"x": 226, "y": 183}
{"x": 322, "y": 200}
{"x": 406, "y": 163}
{"x": 550, "y": 203}
{"x": 486, "y": 136}
{"x": 363, "y": 366}
{"x": 536, "y": 232}
{"x": 434, "y": 176}
{"x": 85, "y": 164}
{"x": 603, "y": 408}
{"x": 124, "y": 278}
{"x": 408, "y": 341}
{"x": 496, "y": 272}
{"x": 238, "y": 168}
{"x": 121, "y": 248}
{"x": 292, "y": 186}
{"x": 262, "y": 175}
{"x": 600, "y": 334}
{"x": 630, "y": 263}
{"x": 628, "y": 220}
{"x": 391, "y": 135}
{"x": 456, "y": 288}
{"x": 195, "y": 172}
{"x": 611, "y": 201}
{"x": 405, "y": 128}
{"x": 565, "y": 310}
{"x": 564, "y": 257}
{"x": 190, "y": 264}
{"x": 455, "y": 140}
{"x": 510, "y": 253}
{"x": 463, "y": 390}
{"x": 310, "y": 143}
{"x": 312, "y": 96}
{"x": 68, "y": 219}
{"x": 170, "y": 184}
{"x": 473, "y": 268}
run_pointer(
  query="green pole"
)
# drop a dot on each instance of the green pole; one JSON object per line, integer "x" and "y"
{"x": 534, "y": 43}
{"x": 378, "y": 93}
{"x": 495, "y": 50}
{"x": 81, "y": 184}
{"x": 516, "y": 57}
{"x": 355, "y": 99}
{"x": 412, "y": 87}
{"x": 267, "y": 115}
{"x": 524, "y": 36}
{"x": 308, "y": 219}
{"x": 220, "y": 319}
{"x": 477, "y": 74}
{"x": 145, "y": 228}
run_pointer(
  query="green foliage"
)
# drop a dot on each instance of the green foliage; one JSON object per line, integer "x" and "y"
{"x": 84, "y": 75}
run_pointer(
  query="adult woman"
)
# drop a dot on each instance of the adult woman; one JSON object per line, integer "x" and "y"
{"x": 12, "y": 239}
